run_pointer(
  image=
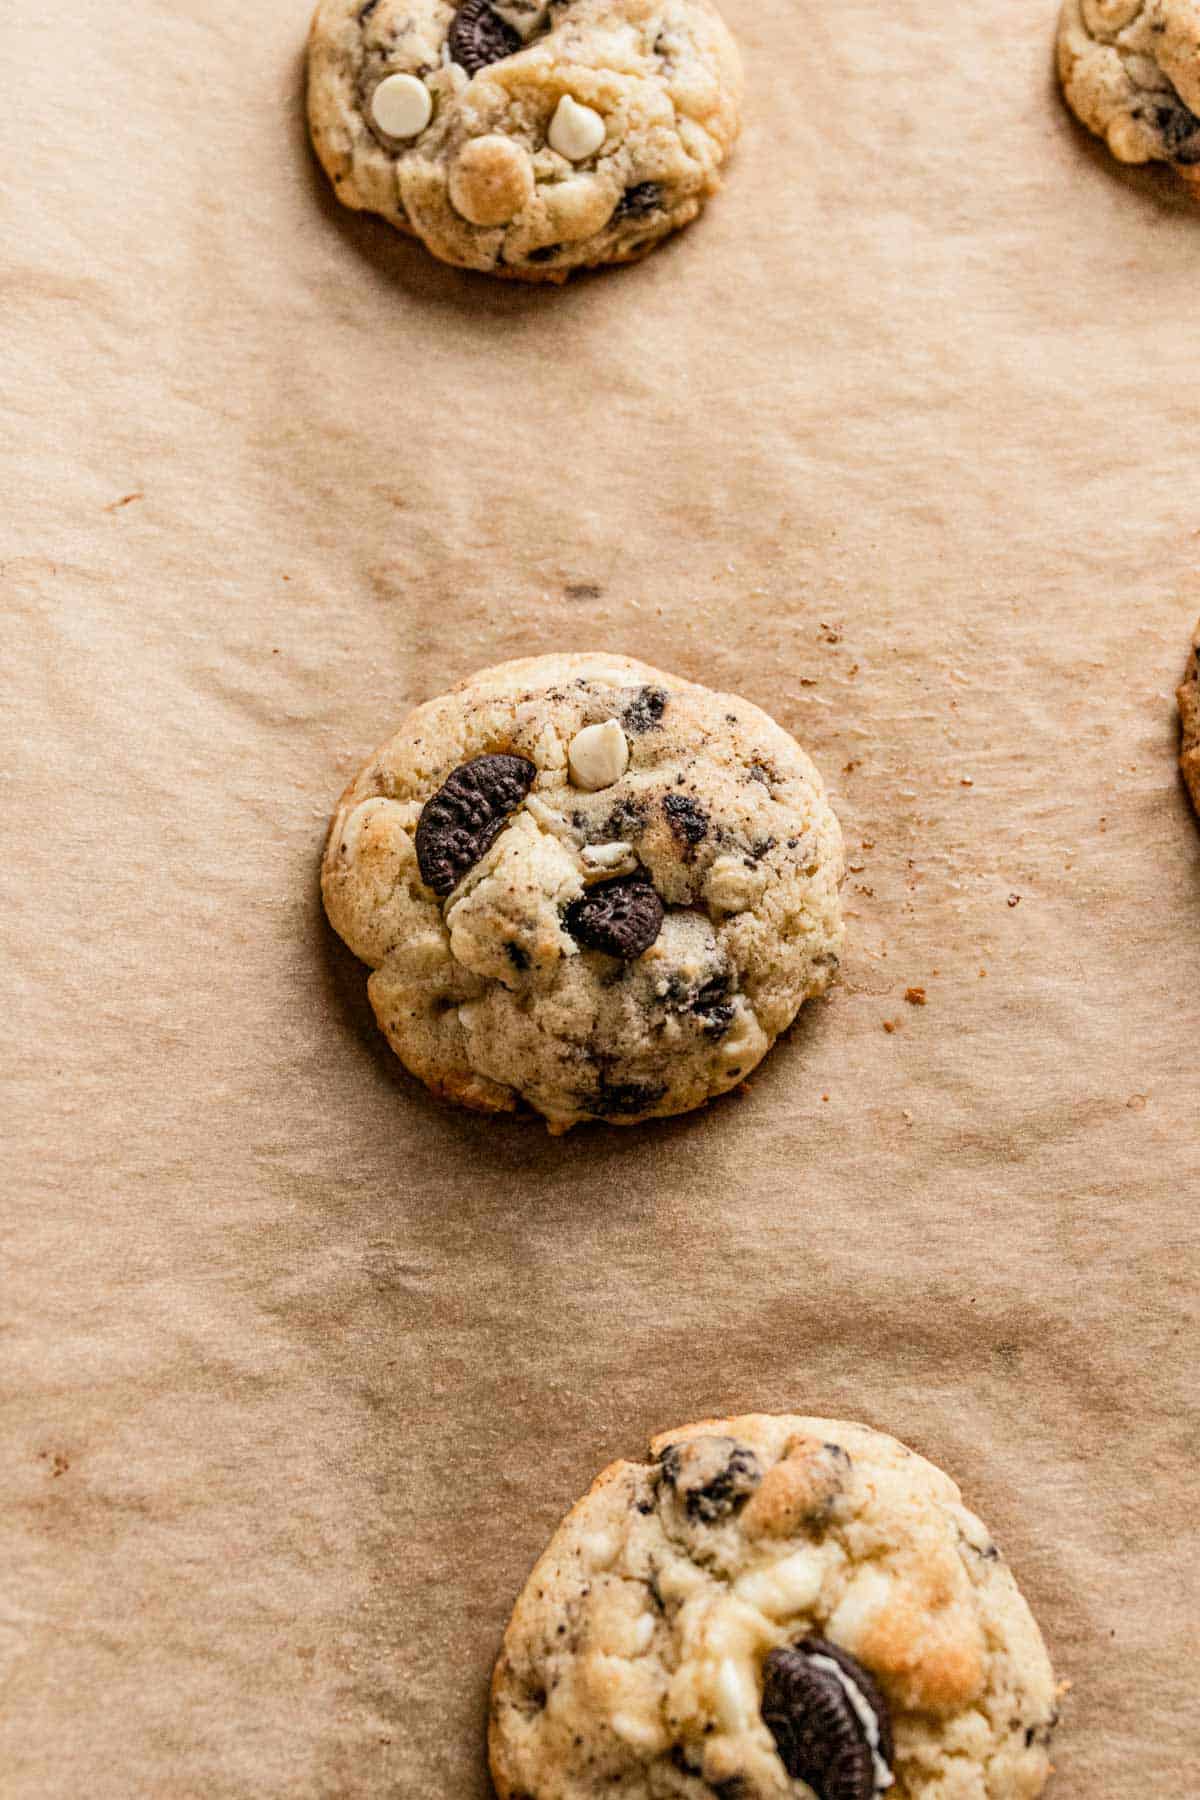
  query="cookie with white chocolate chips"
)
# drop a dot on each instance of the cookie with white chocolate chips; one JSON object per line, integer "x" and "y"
{"x": 525, "y": 138}
{"x": 1130, "y": 70}
{"x": 586, "y": 887}
{"x": 772, "y": 1608}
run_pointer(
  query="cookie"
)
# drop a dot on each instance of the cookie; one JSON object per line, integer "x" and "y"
{"x": 772, "y": 1608}
{"x": 1130, "y": 70}
{"x": 525, "y": 138}
{"x": 1189, "y": 714}
{"x": 586, "y": 887}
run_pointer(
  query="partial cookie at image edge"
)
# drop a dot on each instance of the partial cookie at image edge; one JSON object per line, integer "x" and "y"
{"x": 571, "y": 150}
{"x": 642, "y": 1647}
{"x": 1188, "y": 696}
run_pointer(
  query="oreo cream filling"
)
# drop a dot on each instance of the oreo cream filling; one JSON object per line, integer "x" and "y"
{"x": 864, "y": 1712}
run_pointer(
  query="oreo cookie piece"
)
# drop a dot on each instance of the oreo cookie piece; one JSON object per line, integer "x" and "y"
{"x": 711, "y": 1477}
{"x": 696, "y": 1643}
{"x": 688, "y": 821}
{"x": 645, "y": 711}
{"x": 830, "y": 1722}
{"x": 638, "y": 201}
{"x": 478, "y": 36}
{"x": 621, "y": 917}
{"x": 467, "y": 814}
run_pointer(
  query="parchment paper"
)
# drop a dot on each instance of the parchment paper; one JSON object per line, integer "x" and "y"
{"x": 300, "y": 1369}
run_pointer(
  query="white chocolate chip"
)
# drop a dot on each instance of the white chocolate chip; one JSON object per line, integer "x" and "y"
{"x": 351, "y": 826}
{"x": 599, "y": 1550}
{"x": 784, "y": 1588}
{"x": 551, "y": 820}
{"x": 644, "y": 1734}
{"x": 401, "y": 106}
{"x": 607, "y": 856}
{"x": 734, "y": 1700}
{"x": 598, "y": 756}
{"x": 576, "y": 132}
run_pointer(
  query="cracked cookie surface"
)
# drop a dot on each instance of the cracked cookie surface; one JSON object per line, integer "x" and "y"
{"x": 543, "y": 135}
{"x": 618, "y": 951}
{"x": 1189, "y": 714}
{"x": 1130, "y": 70}
{"x": 769, "y": 1592}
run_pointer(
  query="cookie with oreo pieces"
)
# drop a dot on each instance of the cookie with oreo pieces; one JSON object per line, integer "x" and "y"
{"x": 860, "y": 1636}
{"x": 1130, "y": 71}
{"x": 576, "y": 895}
{"x": 525, "y": 138}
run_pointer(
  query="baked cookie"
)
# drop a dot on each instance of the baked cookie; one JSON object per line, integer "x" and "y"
{"x": 1189, "y": 713}
{"x": 772, "y": 1609}
{"x": 526, "y": 137}
{"x": 586, "y": 886}
{"x": 1130, "y": 70}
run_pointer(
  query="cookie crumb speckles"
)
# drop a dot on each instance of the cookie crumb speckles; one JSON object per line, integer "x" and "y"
{"x": 1130, "y": 70}
{"x": 562, "y": 913}
{"x": 609, "y": 148}
{"x": 700, "y": 1655}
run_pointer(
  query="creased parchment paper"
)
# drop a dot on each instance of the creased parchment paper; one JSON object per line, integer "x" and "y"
{"x": 299, "y": 1369}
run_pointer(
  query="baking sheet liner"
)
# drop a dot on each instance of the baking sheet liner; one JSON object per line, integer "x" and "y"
{"x": 299, "y": 1369}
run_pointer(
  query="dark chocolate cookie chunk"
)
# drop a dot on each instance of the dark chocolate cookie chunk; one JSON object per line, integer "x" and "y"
{"x": 1179, "y": 128}
{"x": 645, "y": 711}
{"x": 621, "y": 917}
{"x": 640, "y": 200}
{"x": 688, "y": 821}
{"x": 479, "y": 36}
{"x": 829, "y": 1720}
{"x": 466, "y": 816}
{"x": 621, "y": 1099}
{"x": 711, "y": 1477}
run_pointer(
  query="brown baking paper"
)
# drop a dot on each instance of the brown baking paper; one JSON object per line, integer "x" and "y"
{"x": 300, "y": 1368}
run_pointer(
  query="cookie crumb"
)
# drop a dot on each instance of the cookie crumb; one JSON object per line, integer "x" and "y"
{"x": 1014, "y": 899}
{"x": 889, "y": 1025}
{"x": 916, "y": 996}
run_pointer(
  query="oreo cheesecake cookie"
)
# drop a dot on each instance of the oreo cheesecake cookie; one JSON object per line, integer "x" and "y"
{"x": 1189, "y": 714}
{"x": 525, "y": 138}
{"x": 1130, "y": 70}
{"x": 586, "y": 887}
{"x": 772, "y": 1608}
